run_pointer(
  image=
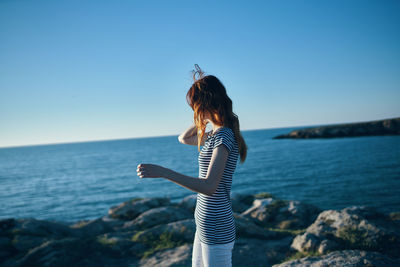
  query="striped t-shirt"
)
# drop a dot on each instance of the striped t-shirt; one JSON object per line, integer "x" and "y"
{"x": 213, "y": 215}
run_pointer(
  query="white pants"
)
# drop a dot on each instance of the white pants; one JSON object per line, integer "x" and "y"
{"x": 204, "y": 255}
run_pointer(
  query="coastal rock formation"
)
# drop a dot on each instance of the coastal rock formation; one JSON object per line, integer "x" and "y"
{"x": 180, "y": 231}
{"x": 241, "y": 202}
{"x": 344, "y": 258}
{"x": 350, "y": 228}
{"x": 282, "y": 214}
{"x": 156, "y": 232}
{"x": 189, "y": 202}
{"x": 158, "y": 216}
{"x": 177, "y": 257}
{"x": 371, "y": 128}
{"x": 132, "y": 208}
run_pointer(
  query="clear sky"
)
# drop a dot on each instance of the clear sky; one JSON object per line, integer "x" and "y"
{"x": 96, "y": 70}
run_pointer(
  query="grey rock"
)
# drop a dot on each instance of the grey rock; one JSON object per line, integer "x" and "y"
{"x": 183, "y": 231}
{"x": 327, "y": 245}
{"x": 121, "y": 244}
{"x": 158, "y": 216}
{"x": 4, "y": 242}
{"x": 350, "y": 258}
{"x": 189, "y": 202}
{"x": 282, "y": 214}
{"x": 23, "y": 243}
{"x": 256, "y": 252}
{"x": 258, "y": 209}
{"x": 130, "y": 209}
{"x": 350, "y": 228}
{"x": 6, "y": 248}
{"x": 48, "y": 229}
{"x": 174, "y": 257}
{"x": 93, "y": 227}
{"x": 306, "y": 242}
{"x": 241, "y": 202}
{"x": 6, "y": 224}
{"x": 248, "y": 229}
{"x": 75, "y": 252}
{"x": 55, "y": 253}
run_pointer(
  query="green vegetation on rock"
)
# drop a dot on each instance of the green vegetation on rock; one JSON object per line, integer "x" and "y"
{"x": 356, "y": 238}
{"x": 277, "y": 204}
{"x": 394, "y": 216}
{"x": 298, "y": 255}
{"x": 293, "y": 232}
{"x": 106, "y": 241}
{"x": 264, "y": 195}
{"x": 156, "y": 243}
{"x": 80, "y": 224}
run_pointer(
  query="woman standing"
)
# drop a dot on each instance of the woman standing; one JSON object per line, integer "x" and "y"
{"x": 221, "y": 148}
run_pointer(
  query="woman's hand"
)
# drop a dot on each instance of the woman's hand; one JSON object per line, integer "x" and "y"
{"x": 149, "y": 171}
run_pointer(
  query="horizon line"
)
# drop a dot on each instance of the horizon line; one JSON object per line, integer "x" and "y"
{"x": 170, "y": 135}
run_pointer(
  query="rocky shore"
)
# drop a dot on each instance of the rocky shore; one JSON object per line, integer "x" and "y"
{"x": 371, "y": 128}
{"x": 157, "y": 232}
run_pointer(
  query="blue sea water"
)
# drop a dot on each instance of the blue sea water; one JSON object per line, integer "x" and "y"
{"x": 77, "y": 181}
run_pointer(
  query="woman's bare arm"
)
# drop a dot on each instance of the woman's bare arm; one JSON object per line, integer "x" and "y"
{"x": 189, "y": 137}
{"x": 205, "y": 186}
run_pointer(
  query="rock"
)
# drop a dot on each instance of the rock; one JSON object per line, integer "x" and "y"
{"x": 309, "y": 242}
{"x": 189, "y": 202}
{"x": 115, "y": 224}
{"x": 282, "y": 214}
{"x": 395, "y": 216}
{"x": 6, "y": 224}
{"x": 23, "y": 243}
{"x": 76, "y": 252}
{"x": 6, "y": 248}
{"x": 256, "y": 248}
{"x": 296, "y": 215}
{"x": 62, "y": 252}
{"x": 93, "y": 227}
{"x": 344, "y": 258}
{"x": 305, "y": 242}
{"x": 183, "y": 230}
{"x": 121, "y": 244}
{"x": 4, "y": 242}
{"x": 258, "y": 209}
{"x": 48, "y": 229}
{"x": 327, "y": 245}
{"x": 246, "y": 228}
{"x": 176, "y": 257}
{"x": 163, "y": 236}
{"x": 371, "y": 128}
{"x": 158, "y": 216}
{"x": 350, "y": 228}
{"x": 241, "y": 202}
{"x": 256, "y": 252}
{"x": 130, "y": 209}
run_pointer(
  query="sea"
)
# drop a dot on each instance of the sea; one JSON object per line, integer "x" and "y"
{"x": 81, "y": 181}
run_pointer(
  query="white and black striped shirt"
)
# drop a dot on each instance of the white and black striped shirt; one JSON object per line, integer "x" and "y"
{"x": 213, "y": 215}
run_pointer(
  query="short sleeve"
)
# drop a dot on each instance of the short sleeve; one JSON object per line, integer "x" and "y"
{"x": 225, "y": 137}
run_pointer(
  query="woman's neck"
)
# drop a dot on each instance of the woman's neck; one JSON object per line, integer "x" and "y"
{"x": 215, "y": 127}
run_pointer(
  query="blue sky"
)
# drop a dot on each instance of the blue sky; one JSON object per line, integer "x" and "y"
{"x": 96, "y": 70}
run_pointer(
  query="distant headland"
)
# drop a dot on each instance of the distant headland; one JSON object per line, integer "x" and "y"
{"x": 370, "y": 128}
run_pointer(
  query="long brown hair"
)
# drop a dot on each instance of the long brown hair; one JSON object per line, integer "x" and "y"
{"x": 208, "y": 95}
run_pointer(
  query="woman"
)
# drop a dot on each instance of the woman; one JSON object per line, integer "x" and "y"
{"x": 215, "y": 226}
